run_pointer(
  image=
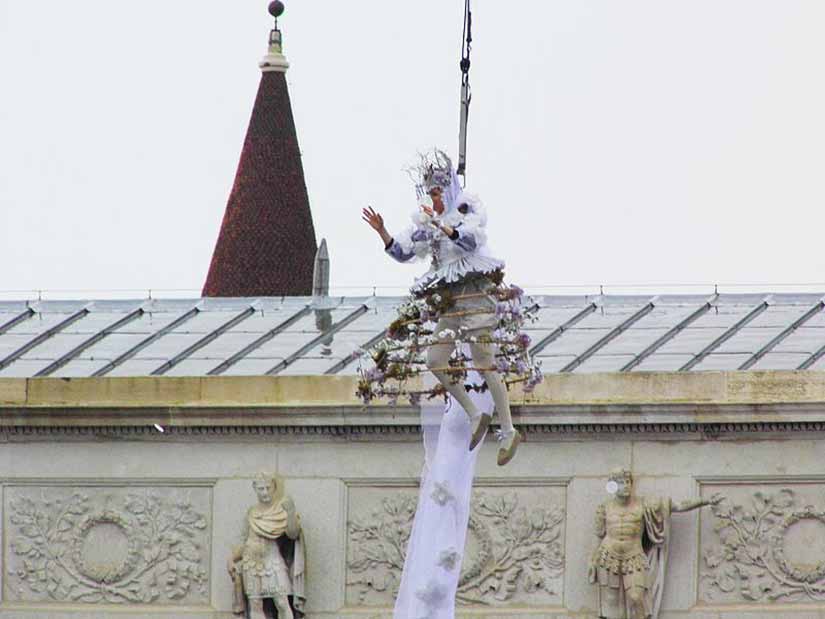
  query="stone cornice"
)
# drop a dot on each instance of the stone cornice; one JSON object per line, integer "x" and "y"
{"x": 610, "y": 389}
{"x": 405, "y": 433}
{"x": 704, "y": 403}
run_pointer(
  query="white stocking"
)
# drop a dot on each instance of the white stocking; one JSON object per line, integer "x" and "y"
{"x": 438, "y": 356}
{"x": 484, "y": 357}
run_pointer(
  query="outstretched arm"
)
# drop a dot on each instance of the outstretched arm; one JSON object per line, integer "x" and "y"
{"x": 391, "y": 246}
{"x": 376, "y": 222}
{"x": 686, "y": 506}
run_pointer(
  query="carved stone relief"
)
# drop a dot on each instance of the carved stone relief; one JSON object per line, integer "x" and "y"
{"x": 107, "y": 544}
{"x": 514, "y": 553}
{"x": 765, "y": 544}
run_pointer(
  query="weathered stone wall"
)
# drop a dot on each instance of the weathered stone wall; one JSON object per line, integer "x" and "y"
{"x": 103, "y": 516}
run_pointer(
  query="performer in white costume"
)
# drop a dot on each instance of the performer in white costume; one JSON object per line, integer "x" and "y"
{"x": 452, "y": 233}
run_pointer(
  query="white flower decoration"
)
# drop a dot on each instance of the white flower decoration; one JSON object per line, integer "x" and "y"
{"x": 449, "y": 559}
{"x": 433, "y": 594}
{"x": 441, "y": 493}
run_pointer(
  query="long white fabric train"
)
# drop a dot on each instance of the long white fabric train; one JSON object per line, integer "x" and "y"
{"x": 435, "y": 551}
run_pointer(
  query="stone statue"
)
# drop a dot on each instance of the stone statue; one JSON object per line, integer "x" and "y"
{"x": 629, "y": 564}
{"x": 269, "y": 564}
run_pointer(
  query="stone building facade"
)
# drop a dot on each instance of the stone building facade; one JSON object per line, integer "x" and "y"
{"x": 105, "y": 516}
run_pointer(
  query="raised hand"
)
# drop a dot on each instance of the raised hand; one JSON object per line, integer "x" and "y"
{"x": 374, "y": 219}
{"x": 428, "y": 211}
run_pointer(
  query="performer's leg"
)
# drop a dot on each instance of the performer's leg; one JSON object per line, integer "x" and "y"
{"x": 438, "y": 356}
{"x": 283, "y": 608}
{"x": 484, "y": 357}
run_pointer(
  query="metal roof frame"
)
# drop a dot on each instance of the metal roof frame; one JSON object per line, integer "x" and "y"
{"x": 363, "y": 309}
{"x": 812, "y": 359}
{"x": 729, "y": 333}
{"x": 671, "y": 333}
{"x": 561, "y": 329}
{"x": 782, "y": 335}
{"x": 40, "y": 334}
{"x": 340, "y": 365}
{"x": 257, "y": 343}
{"x": 77, "y": 350}
{"x": 25, "y": 315}
{"x": 610, "y": 335}
{"x": 123, "y": 357}
{"x": 206, "y": 339}
{"x": 48, "y": 333}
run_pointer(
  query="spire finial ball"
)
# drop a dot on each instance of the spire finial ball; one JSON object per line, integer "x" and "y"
{"x": 276, "y": 8}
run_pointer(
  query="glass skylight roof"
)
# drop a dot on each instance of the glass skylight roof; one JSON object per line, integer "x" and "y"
{"x": 302, "y": 335}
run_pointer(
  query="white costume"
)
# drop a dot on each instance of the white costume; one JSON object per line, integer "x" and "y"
{"x": 454, "y": 259}
{"x": 461, "y": 265}
{"x": 478, "y": 319}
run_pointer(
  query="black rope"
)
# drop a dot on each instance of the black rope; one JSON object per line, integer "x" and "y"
{"x": 466, "y": 96}
{"x": 466, "y": 40}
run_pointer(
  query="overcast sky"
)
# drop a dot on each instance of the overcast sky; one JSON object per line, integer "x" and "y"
{"x": 634, "y": 142}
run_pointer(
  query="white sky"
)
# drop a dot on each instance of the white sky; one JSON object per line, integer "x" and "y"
{"x": 634, "y": 142}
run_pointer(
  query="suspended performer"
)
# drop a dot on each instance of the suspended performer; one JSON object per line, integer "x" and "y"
{"x": 462, "y": 295}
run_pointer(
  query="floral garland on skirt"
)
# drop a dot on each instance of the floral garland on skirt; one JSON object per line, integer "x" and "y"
{"x": 401, "y": 355}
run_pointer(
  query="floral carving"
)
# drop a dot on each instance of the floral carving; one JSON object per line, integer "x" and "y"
{"x": 518, "y": 549}
{"x": 107, "y": 546}
{"x": 751, "y": 553}
{"x": 510, "y": 549}
{"x": 114, "y": 571}
{"x": 377, "y": 544}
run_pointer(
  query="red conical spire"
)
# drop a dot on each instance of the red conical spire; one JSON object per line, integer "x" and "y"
{"x": 266, "y": 246}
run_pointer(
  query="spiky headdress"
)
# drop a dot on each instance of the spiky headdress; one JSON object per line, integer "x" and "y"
{"x": 434, "y": 169}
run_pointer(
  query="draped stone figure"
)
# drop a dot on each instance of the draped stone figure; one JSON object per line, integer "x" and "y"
{"x": 270, "y": 563}
{"x": 630, "y": 562}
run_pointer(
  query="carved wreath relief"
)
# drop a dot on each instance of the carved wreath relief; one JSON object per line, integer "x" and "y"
{"x": 112, "y": 545}
{"x": 514, "y": 550}
{"x": 766, "y": 546}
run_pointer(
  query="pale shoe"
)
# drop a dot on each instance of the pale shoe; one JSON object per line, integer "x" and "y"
{"x": 478, "y": 427}
{"x": 507, "y": 445}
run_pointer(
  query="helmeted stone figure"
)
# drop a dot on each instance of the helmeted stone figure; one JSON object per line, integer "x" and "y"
{"x": 630, "y": 562}
{"x": 270, "y": 563}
